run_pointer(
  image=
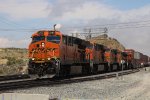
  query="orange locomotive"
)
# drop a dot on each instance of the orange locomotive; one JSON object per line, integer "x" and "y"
{"x": 44, "y": 51}
{"x": 52, "y": 53}
{"x": 113, "y": 59}
{"x": 96, "y": 55}
{"x": 124, "y": 60}
{"x": 98, "y": 58}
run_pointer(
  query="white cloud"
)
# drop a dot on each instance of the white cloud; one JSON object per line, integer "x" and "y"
{"x": 5, "y": 42}
{"x": 95, "y": 10}
{"x": 24, "y": 9}
{"x": 89, "y": 11}
{"x": 62, "y": 6}
{"x": 135, "y": 14}
{"x": 66, "y": 10}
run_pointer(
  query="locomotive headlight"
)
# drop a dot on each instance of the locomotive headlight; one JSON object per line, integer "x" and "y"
{"x": 43, "y": 44}
{"x": 33, "y": 58}
{"x": 48, "y": 58}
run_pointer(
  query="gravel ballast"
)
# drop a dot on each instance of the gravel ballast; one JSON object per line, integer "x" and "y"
{"x": 128, "y": 87}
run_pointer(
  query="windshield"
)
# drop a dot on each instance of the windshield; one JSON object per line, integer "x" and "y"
{"x": 90, "y": 46}
{"x": 37, "y": 38}
{"x": 54, "y": 39}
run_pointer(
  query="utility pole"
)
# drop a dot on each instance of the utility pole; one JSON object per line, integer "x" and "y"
{"x": 105, "y": 30}
{"x": 91, "y": 31}
{"x": 89, "y": 34}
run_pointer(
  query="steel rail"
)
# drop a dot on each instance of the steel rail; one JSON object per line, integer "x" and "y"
{"x": 28, "y": 83}
{"x": 14, "y": 77}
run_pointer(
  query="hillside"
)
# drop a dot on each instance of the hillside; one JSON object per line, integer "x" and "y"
{"x": 12, "y": 59}
{"x": 107, "y": 41}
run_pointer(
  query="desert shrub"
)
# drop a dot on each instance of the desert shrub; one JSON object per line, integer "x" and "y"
{"x": 17, "y": 62}
{"x": 11, "y": 61}
{"x": 1, "y": 71}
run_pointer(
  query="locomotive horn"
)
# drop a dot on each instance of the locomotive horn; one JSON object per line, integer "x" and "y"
{"x": 54, "y": 27}
{"x": 57, "y": 27}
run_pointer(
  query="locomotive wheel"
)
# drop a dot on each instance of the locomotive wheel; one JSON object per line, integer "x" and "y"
{"x": 130, "y": 66}
{"x": 111, "y": 67}
{"x": 126, "y": 67}
{"x": 86, "y": 70}
{"x": 106, "y": 68}
{"x": 95, "y": 69}
{"x": 119, "y": 67}
{"x": 67, "y": 70}
{"x": 64, "y": 71}
{"x": 61, "y": 71}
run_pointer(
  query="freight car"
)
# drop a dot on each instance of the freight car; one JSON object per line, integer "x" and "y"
{"x": 136, "y": 59}
{"x": 144, "y": 60}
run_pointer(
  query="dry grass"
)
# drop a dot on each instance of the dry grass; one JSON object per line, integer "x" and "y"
{"x": 12, "y": 60}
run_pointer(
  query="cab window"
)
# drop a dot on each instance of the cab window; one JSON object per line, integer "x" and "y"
{"x": 37, "y": 38}
{"x": 70, "y": 41}
{"x": 90, "y": 46}
{"x": 54, "y": 39}
{"x": 64, "y": 39}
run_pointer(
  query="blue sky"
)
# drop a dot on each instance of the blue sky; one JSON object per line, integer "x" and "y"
{"x": 127, "y": 4}
{"x": 21, "y": 18}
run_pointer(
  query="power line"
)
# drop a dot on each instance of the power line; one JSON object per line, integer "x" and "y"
{"x": 8, "y": 22}
{"x": 125, "y": 23}
{"x": 112, "y": 24}
{"x": 140, "y": 24}
{"x": 9, "y": 29}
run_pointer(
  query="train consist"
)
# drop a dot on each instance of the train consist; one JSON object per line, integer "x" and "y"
{"x": 52, "y": 53}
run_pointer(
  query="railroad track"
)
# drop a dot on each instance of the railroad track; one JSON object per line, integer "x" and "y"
{"x": 28, "y": 83}
{"x": 14, "y": 77}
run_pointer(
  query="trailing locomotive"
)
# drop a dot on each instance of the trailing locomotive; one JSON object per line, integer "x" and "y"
{"x": 52, "y": 53}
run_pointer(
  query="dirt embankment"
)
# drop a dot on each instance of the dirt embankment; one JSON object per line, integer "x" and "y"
{"x": 108, "y": 41}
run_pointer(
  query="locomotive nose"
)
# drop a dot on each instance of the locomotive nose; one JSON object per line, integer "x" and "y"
{"x": 44, "y": 51}
{"x": 38, "y": 51}
{"x": 40, "y": 45}
{"x": 37, "y": 45}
